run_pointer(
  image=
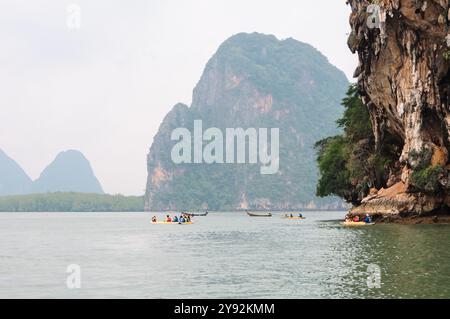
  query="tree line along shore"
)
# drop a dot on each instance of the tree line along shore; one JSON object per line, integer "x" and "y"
{"x": 71, "y": 202}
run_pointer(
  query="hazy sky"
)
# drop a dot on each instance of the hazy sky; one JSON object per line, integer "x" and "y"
{"x": 104, "y": 88}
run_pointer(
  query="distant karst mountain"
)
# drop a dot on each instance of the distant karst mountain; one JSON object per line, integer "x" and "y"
{"x": 13, "y": 179}
{"x": 253, "y": 81}
{"x": 69, "y": 172}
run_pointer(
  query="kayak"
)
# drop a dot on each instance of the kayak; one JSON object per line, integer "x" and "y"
{"x": 356, "y": 224}
{"x": 172, "y": 223}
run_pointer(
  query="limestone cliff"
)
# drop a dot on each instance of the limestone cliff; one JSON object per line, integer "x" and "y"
{"x": 404, "y": 78}
{"x": 253, "y": 81}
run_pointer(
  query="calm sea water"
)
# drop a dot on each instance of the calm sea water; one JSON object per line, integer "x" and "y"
{"x": 224, "y": 255}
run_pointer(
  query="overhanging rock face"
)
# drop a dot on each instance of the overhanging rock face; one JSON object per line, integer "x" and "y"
{"x": 404, "y": 53}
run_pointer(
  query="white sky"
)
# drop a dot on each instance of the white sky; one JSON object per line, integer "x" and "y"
{"x": 105, "y": 88}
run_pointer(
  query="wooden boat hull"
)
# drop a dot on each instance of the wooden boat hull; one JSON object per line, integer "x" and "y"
{"x": 197, "y": 215}
{"x": 259, "y": 215}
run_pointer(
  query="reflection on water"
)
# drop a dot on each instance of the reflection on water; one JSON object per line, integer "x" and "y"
{"x": 414, "y": 261}
{"x": 224, "y": 255}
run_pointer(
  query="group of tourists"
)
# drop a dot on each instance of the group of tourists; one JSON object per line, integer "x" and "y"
{"x": 356, "y": 219}
{"x": 183, "y": 218}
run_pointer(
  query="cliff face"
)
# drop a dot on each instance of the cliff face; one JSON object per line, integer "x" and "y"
{"x": 253, "y": 81}
{"x": 404, "y": 79}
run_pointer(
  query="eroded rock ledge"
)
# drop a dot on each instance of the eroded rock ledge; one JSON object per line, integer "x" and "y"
{"x": 404, "y": 80}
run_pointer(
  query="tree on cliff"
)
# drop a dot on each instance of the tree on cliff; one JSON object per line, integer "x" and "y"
{"x": 349, "y": 165}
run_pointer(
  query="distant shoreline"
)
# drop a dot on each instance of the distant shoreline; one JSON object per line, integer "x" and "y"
{"x": 71, "y": 202}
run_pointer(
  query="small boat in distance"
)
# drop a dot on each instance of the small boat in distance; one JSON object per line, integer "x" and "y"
{"x": 258, "y": 215}
{"x": 196, "y": 215}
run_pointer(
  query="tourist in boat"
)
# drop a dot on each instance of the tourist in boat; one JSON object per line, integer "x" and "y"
{"x": 292, "y": 216}
{"x": 169, "y": 220}
{"x": 182, "y": 219}
{"x": 175, "y": 219}
{"x": 154, "y": 220}
{"x": 368, "y": 219}
{"x": 300, "y": 215}
{"x": 356, "y": 219}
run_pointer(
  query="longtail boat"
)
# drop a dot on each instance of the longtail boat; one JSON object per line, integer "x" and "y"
{"x": 259, "y": 215}
{"x": 197, "y": 215}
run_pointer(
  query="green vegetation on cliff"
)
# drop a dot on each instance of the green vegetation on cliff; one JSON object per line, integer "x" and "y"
{"x": 425, "y": 177}
{"x": 350, "y": 164}
{"x": 71, "y": 202}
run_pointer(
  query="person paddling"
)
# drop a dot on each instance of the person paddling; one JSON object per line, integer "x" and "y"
{"x": 368, "y": 219}
{"x": 169, "y": 220}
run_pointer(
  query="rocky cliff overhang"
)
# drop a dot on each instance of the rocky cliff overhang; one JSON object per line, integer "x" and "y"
{"x": 404, "y": 79}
